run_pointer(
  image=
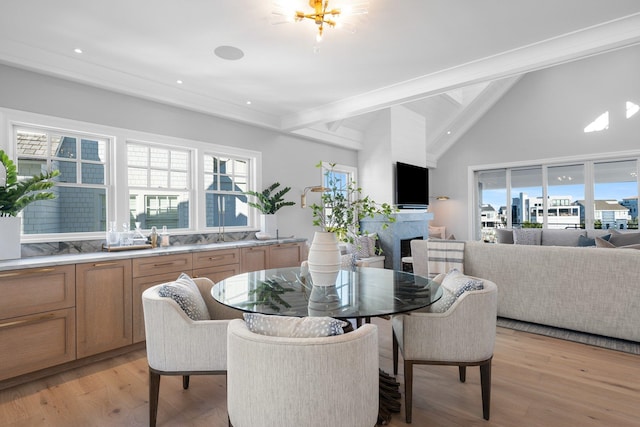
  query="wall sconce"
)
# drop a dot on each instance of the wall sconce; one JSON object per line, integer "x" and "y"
{"x": 313, "y": 189}
{"x": 440, "y": 198}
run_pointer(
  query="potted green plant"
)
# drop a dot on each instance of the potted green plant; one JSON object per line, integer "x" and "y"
{"x": 16, "y": 195}
{"x": 268, "y": 202}
{"x": 338, "y": 215}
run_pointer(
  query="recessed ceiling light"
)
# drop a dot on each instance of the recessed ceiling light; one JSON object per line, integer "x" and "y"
{"x": 77, "y": 50}
{"x": 248, "y": 102}
{"x": 229, "y": 53}
{"x": 448, "y": 132}
{"x": 179, "y": 82}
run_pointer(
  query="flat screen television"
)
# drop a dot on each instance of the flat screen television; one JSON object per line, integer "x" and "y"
{"x": 412, "y": 186}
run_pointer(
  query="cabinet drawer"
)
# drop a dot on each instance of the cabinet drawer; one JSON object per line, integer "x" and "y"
{"x": 161, "y": 264}
{"x": 215, "y": 258}
{"x": 216, "y": 274}
{"x": 30, "y": 343}
{"x": 35, "y": 290}
{"x": 255, "y": 258}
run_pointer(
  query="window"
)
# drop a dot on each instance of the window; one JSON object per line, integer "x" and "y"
{"x": 81, "y": 192}
{"x": 159, "y": 185}
{"x": 226, "y": 179}
{"x": 590, "y": 194}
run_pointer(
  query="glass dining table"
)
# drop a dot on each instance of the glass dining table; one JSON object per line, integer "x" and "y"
{"x": 359, "y": 293}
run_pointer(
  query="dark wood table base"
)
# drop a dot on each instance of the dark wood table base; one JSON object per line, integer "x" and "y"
{"x": 389, "y": 398}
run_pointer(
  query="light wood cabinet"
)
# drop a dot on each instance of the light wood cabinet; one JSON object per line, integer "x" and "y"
{"x": 216, "y": 265}
{"x": 254, "y": 258}
{"x": 151, "y": 271}
{"x": 103, "y": 306}
{"x": 286, "y": 255}
{"x": 37, "y": 319}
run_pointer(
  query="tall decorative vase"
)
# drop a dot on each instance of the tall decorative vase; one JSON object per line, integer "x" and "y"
{"x": 10, "y": 232}
{"x": 324, "y": 259}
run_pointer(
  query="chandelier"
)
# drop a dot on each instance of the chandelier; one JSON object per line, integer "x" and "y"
{"x": 322, "y": 14}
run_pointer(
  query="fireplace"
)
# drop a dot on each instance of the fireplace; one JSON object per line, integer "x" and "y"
{"x": 408, "y": 225}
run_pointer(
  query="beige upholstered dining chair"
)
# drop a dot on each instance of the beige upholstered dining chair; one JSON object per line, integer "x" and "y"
{"x": 311, "y": 382}
{"x": 463, "y": 335}
{"x": 179, "y": 345}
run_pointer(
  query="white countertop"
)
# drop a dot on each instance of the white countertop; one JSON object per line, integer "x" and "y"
{"x": 63, "y": 259}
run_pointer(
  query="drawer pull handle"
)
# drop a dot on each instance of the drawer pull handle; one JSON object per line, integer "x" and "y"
{"x": 24, "y": 273}
{"x": 215, "y": 258}
{"x": 104, "y": 264}
{"x": 164, "y": 264}
{"x": 27, "y": 321}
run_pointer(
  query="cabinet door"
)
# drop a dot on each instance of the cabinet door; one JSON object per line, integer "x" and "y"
{"x": 285, "y": 255}
{"x": 37, "y": 341}
{"x": 255, "y": 258}
{"x": 141, "y": 284}
{"x": 103, "y": 306}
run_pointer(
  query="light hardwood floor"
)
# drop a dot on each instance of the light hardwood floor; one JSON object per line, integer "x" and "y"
{"x": 537, "y": 381}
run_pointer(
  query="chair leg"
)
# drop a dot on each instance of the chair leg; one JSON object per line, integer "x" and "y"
{"x": 462, "y": 371}
{"x": 395, "y": 353}
{"x": 408, "y": 389}
{"x": 485, "y": 383}
{"x": 154, "y": 391}
{"x": 185, "y": 382}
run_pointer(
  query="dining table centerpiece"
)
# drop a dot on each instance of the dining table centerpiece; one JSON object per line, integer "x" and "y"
{"x": 342, "y": 206}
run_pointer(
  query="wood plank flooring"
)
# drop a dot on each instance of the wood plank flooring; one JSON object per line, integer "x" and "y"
{"x": 537, "y": 381}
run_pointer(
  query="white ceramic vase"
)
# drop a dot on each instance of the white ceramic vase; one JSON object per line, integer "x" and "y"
{"x": 268, "y": 227}
{"x": 324, "y": 259}
{"x": 10, "y": 232}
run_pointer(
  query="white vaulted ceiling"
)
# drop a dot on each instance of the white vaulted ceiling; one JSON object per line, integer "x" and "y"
{"x": 448, "y": 60}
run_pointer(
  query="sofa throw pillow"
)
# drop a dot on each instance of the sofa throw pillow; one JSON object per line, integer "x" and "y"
{"x": 443, "y": 304}
{"x": 602, "y": 243}
{"x": 437, "y": 232}
{"x": 584, "y": 241}
{"x": 624, "y": 239}
{"x": 185, "y": 293}
{"x": 294, "y": 327}
{"x": 504, "y": 235}
{"x": 527, "y": 236}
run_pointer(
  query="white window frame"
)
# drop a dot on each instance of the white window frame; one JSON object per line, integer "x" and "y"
{"x": 116, "y": 173}
{"x": 587, "y": 161}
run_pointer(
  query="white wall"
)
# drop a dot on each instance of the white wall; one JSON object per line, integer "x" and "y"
{"x": 287, "y": 159}
{"x": 543, "y": 117}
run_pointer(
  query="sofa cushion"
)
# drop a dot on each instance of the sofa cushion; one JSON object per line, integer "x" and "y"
{"x": 504, "y": 235}
{"x": 551, "y": 237}
{"x": 527, "y": 236}
{"x": 186, "y": 294}
{"x": 294, "y": 327}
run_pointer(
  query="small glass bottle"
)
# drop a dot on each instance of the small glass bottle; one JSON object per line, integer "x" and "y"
{"x": 153, "y": 237}
{"x": 113, "y": 237}
{"x": 164, "y": 237}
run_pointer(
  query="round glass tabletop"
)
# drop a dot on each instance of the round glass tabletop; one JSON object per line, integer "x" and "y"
{"x": 359, "y": 293}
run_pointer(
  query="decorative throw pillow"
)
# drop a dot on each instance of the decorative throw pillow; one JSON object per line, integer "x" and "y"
{"x": 185, "y": 293}
{"x": 584, "y": 241}
{"x": 624, "y": 239}
{"x": 504, "y": 235}
{"x": 527, "y": 236}
{"x": 457, "y": 283}
{"x": 294, "y": 327}
{"x": 363, "y": 246}
{"x": 443, "y": 304}
{"x": 437, "y": 232}
{"x": 602, "y": 243}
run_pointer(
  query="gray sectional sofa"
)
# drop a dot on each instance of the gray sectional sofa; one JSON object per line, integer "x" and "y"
{"x": 588, "y": 289}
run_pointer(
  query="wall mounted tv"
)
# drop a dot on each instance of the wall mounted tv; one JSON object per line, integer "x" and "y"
{"x": 412, "y": 186}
